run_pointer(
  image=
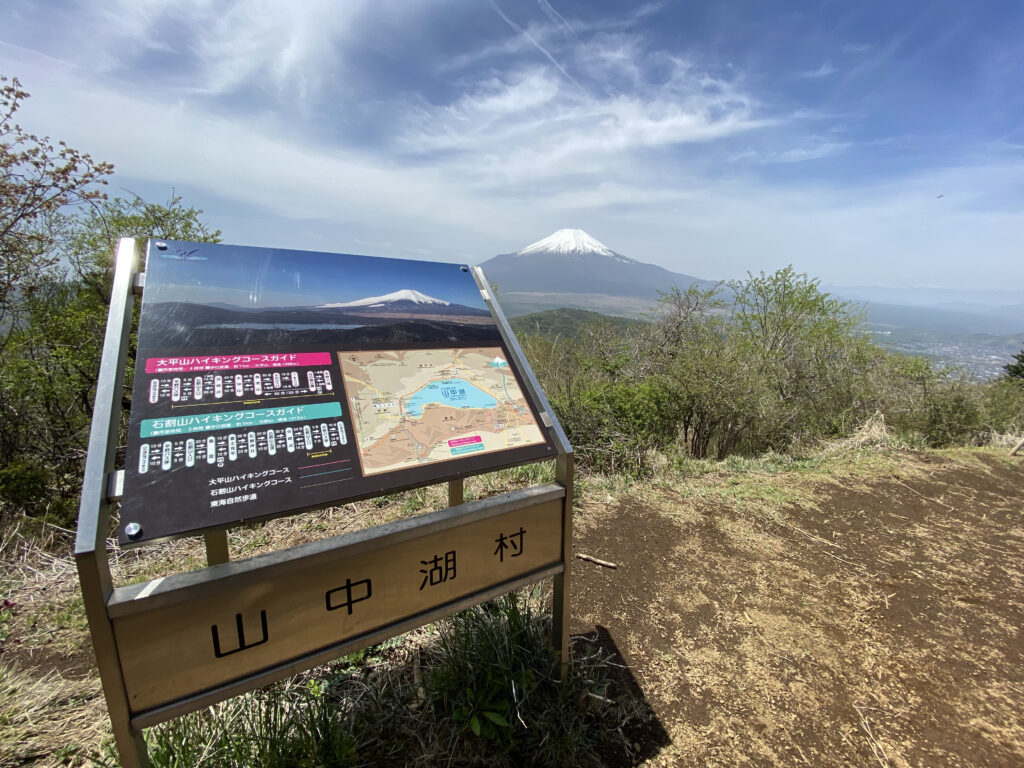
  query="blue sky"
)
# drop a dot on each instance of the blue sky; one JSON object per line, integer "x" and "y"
{"x": 864, "y": 143}
{"x": 272, "y": 277}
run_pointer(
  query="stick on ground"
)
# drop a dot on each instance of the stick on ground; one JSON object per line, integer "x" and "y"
{"x": 602, "y": 563}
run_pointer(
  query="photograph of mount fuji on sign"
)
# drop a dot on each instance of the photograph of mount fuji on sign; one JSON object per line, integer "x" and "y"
{"x": 417, "y": 407}
{"x": 216, "y": 296}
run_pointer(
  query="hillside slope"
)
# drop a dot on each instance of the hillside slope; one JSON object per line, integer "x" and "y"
{"x": 850, "y": 609}
{"x": 566, "y": 322}
{"x": 865, "y": 612}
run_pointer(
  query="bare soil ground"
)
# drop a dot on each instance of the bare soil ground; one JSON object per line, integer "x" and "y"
{"x": 871, "y": 618}
{"x": 865, "y": 609}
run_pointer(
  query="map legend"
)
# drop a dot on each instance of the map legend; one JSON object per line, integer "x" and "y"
{"x": 213, "y": 387}
{"x": 223, "y": 448}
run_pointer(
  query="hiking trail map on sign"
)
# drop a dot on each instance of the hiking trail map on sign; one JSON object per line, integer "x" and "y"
{"x": 270, "y": 381}
{"x": 420, "y": 406}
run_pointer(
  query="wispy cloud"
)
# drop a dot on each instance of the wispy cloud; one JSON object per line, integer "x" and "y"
{"x": 254, "y": 40}
{"x": 217, "y": 48}
{"x": 533, "y": 41}
{"x": 813, "y": 152}
{"x": 558, "y": 19}
{"x": 824, "y": 70}
{"x": 558, "y": 130}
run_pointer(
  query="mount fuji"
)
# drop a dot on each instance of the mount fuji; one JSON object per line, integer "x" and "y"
{"x": 406, "y": 294}
{"x": 406, "y": 301}
{"x": 573, "y": 269}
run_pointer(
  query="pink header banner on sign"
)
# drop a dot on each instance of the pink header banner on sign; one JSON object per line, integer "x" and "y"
{"x": 465, "y": 441}
{"x": 235, "y": 362}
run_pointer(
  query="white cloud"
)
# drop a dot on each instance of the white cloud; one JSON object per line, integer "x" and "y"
{"x": 253, "y": 40}
{"x": 613, "y": 58}
{"x": 814, "y": 151}
{"x": 554, "y": 129}
{"x": 824, "y": 70}
{"x": 535, "y": 42}
{"x": 895, "y": 232}
{"x": 225, "y": 45}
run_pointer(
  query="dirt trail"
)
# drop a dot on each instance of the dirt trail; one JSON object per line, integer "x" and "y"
{"x": 878, "y": 625}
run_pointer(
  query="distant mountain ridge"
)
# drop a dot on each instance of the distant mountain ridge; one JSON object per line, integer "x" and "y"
{"x": 570, "y": 261}
{"x": 963, "y": 299}
{"x": 559, "y": 323}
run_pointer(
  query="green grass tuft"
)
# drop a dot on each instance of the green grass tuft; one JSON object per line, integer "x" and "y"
{"x": 481, "y": 689}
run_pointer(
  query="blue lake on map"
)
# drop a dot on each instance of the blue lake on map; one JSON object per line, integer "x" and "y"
{"x": 455, "y": 393}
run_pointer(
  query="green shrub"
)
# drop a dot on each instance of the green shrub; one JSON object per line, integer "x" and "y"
{"x": 25, "y": 485}
{"x": 614, "y": 425}
{"x": 489, "y": 694}
{"x": 953, "y": 415}
{"x": 1003, "y": 405}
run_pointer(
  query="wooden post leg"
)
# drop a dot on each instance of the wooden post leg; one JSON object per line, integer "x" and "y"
{"x": 456, "y": 492}
{"x": 560, "y": 613}
{"x": 94, "y": 575}
{"x": 216, "y": 547}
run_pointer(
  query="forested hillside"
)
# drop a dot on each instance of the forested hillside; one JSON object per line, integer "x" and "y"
{"x": 779, "y": 366}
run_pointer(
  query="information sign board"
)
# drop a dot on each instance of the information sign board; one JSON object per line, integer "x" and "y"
{"x": 262, "y": 386}
{"x": 269, "y": 381}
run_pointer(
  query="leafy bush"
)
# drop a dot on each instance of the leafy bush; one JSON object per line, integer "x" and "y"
{"x": 615, "y": 425}
{"x": 770, "y": 363}
{"x": 489, "y": 695}
{"x": 953, "y": 414}
{"x": 494, "y": 675}
{"x": 24, "y": 485}
{"x": 1003, "y": 406}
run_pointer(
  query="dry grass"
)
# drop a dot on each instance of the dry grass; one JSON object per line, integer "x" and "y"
{"x": 49, "y": 720}
{"x": 873, "y": 434}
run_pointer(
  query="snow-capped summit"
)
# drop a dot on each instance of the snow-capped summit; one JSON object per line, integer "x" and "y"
{"x": 406, "y": 294}
{"x": 568, "y": 241}
{"x": 573, "y": 262}
{"x": 572, "y": 242}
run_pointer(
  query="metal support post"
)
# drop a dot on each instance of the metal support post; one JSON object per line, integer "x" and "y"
{"x": 216, "y": 547}
{"x": 564, "y": 474}
{"x": 560, "y": 604}
{"x": 456, "y": 492}
{"x": 94, "y": 511}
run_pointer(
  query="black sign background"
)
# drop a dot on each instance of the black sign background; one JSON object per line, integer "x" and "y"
{"x": 238, "y": 405}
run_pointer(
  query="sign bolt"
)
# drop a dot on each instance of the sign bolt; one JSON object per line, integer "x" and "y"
{"x": 161, "y": 246}
{"x": 133, "y": 530}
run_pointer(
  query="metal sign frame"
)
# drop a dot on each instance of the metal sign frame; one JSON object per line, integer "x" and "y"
{"x": 122, "y": 619}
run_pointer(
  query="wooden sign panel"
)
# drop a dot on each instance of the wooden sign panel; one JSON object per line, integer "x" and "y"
{"x": 173, "y": 644}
